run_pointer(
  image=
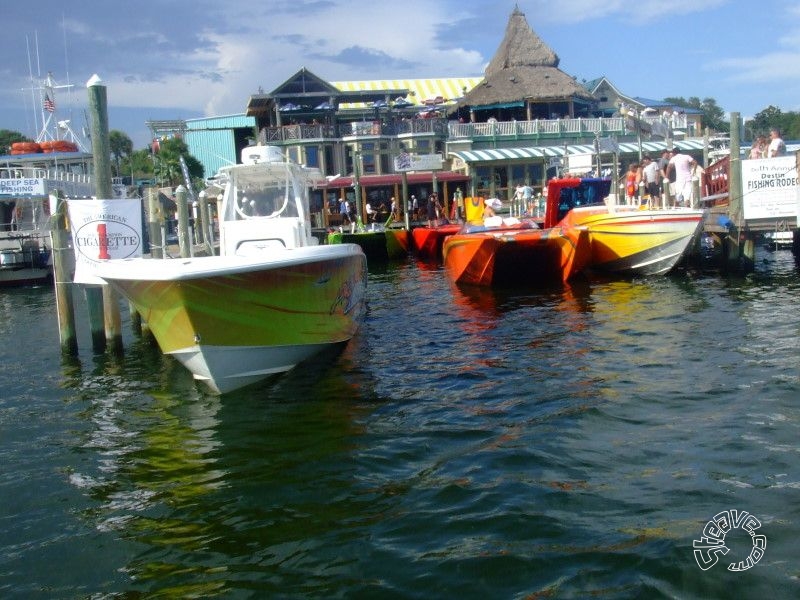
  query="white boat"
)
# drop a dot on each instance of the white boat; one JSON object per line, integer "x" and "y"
{"x": 777, "y": 240}
{"x": 56, "y": 161}
{"x": 273, "y": 298}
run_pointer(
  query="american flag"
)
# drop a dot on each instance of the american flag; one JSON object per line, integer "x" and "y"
{"x": 49, "y": 105}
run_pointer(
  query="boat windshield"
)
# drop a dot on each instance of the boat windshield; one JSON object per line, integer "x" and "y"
{"x": 254, "y": 195}
{"x": 589, "y": 192}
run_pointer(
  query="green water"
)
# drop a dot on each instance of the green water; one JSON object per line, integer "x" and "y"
{"x": 569, "y": 443}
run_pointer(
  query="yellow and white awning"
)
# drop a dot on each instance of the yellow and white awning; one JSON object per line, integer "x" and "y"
{"x": 422, "y": 92}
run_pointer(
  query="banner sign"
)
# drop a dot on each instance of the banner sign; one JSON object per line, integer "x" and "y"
{"x": 769, "y": 186}
{"x": 417, "y": 162}
{"x": 103, "y": 230}
{"x": 22, "y": 187}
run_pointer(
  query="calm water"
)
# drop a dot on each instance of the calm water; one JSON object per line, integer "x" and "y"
{"x": 562, "y": 444}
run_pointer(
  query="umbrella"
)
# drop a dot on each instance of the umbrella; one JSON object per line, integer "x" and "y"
{"x": 324, "y": 106}
{"x": 289, "y": 107}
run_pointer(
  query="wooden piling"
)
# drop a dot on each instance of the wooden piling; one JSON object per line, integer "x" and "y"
{"x": 154, "y": 223}
{"x": 183, "y": 222}
{"x": 740, "y": 253}
{"x": 101, "y": 155}
{"x": 65, "y": 305}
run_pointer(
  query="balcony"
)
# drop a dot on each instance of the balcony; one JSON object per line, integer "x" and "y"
{"x": 499, "y": 131}
{"x": 354, "y": 129}
{"x": 557, "y": 129}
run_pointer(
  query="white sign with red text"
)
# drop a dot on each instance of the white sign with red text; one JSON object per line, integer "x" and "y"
{"x": 103, "y": 230}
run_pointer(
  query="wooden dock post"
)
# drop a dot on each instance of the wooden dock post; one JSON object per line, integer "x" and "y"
{"x": 740, "y": 253}
{"x": 101, "y": 154}
{"x": 65, "y": 306}
{"x": 154, "y": 224}
{"x": 406, "y": 208}
{"x": 183, "y": 222}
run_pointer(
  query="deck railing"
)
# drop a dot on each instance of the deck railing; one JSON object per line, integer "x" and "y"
{"x": 495, "y": 130}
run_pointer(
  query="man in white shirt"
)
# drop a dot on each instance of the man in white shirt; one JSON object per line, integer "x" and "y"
{"x": 776, "y": 145}
{"x": 650, "y": 176}
{"x": 682, "y": 164}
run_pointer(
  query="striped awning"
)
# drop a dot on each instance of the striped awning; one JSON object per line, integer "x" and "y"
{"x": 545, "y": 152}
{"x": 448, "y": 88}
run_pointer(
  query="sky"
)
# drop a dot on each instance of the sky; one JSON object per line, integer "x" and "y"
{"x": 184, "y": 59}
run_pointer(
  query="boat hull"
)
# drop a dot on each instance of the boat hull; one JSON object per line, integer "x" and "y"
{"x": 515, "y": 257}
{"x": 234, "y": 321}
{"x": 632, "y": 242}
{"x": 428, "y": 241}
{"x": 380, "y": 245}
{"x": 24, "y": 259}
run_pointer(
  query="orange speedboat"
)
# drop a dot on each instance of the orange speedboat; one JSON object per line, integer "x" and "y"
{"x": 518, "y": 254}
{"x": 428, "y": 241}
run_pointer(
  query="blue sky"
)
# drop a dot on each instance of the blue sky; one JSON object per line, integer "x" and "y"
{"x": 180, "y": 59}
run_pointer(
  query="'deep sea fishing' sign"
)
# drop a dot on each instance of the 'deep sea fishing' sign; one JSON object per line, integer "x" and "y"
{"x": 103, "y": 230}
{"x": 770, "y": 189}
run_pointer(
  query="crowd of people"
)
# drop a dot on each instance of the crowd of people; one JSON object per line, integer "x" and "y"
{"x": 768, "y": 148}
{"x": 652, "y": 183}
{"x": 645, "y": 181}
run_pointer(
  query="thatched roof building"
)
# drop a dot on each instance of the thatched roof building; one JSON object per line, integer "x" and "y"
{"x": 523, "y": 81}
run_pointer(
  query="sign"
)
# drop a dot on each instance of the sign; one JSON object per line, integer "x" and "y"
{"x": 103, "y": 230}
{"x": 417, "y": 162}
{"x": 580, "y": 163}
{"x": 769, "y": 187}
{"x": 20, "y": 187}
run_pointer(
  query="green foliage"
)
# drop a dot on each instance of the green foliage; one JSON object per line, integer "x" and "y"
{"x": 772, "y": 117}
{"x": 163, "y": 165}
{"x": 120, "y": 145}
{"x": 138, "y": 164}
{"x": 8, "y": 137}
{"x": 713, "y": 115}
{"x": 167, "y": 167}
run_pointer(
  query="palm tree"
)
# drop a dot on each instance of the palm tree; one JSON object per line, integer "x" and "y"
{"x": 120, "y": 145}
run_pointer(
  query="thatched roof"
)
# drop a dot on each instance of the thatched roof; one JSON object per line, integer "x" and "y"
{"x": 523, "y": 68}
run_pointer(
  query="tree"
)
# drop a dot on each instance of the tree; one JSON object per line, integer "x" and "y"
{"x": 8, "y": 137}
{"x": 120, "y": 145}
{"x": 167, "y": 166}
{"x": 772, "y": 117}
{"x": 713, "y": 115}
{"x": 139, "y": 164}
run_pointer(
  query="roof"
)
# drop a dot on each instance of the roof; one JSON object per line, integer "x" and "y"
{"x": 523, "y": 68}
{"x": 415, "y": 91}
{"x": 310, "y": 93}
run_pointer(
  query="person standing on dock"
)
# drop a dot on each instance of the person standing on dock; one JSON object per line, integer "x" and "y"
{"x": 433, "y": 210}
{"x": 650, "y": 176}
{"x": 682, "y": 165}
{"x": 759, "y": 149}
{"x": 777, "y": 147}
{"x": 664, "y": 181}
{"x": 458, "y": 201}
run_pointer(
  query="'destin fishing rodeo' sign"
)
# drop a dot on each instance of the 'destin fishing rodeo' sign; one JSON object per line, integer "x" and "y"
{"x": 103, "y": 230}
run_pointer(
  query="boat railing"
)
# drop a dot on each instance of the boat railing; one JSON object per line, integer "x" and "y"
{"x": 42, "y": 173}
